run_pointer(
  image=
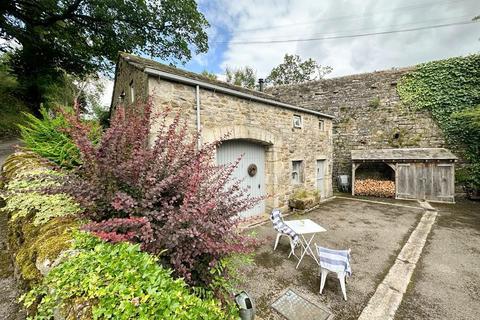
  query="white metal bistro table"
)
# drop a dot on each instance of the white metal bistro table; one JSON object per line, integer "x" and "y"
{"x": 303, "y": 228}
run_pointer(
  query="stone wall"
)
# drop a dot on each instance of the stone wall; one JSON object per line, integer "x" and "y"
{"x": 265, "y": 124}
{"x": 368, "y": 114}
{"x": 125, "y": 75}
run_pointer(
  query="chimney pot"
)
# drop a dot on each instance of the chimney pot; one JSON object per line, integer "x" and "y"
{"x": 261, "y": 81}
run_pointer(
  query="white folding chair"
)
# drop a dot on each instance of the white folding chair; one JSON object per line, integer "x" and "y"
{"x": 283, "y": 230}
{"x": 336, "y": 261}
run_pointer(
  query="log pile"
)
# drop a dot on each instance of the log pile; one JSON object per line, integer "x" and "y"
{"x": 376, "y": 188}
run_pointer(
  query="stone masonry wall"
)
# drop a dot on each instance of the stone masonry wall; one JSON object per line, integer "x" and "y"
{"x": 268, "y": 125}
{"x": 126, "y": 74}
{"x": 368, "y": 114}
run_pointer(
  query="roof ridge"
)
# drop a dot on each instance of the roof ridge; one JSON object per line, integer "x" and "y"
{"x": 153, "y": 67}
{"x": 161, "y": 66}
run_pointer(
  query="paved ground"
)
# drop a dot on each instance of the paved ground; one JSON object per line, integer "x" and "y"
{"x": 374, "y": 232}
{"x": 446, "y": 282}
{"x": 7, "y": 147}
{"x": 9, "y": 292}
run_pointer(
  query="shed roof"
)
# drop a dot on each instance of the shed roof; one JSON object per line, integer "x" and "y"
{"x": 150, "y": 66}
{"x": 403, "y": 154}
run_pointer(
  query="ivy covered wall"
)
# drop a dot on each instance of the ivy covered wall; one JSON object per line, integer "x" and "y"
{"x": 450, "y": 91}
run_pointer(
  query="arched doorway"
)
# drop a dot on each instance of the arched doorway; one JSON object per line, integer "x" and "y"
{"x": 251, "y": 169}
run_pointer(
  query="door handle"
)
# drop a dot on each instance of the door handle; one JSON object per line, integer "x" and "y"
{"x": 258, "y": 186}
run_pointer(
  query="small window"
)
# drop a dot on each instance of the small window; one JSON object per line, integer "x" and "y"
{"x": 321, "y": 125}
{"x": 121, "y": 97}
{"x": 297, "y": 171}
{"x": 132, "y": 92}
{"x": 297, "y": 121}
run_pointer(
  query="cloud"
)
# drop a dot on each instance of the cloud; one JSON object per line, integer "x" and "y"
{"x": 238, "y": 21}
{"x": 107, "y": 92}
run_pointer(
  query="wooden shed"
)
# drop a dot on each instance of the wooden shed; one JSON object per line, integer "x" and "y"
{"x": 420, "y": 173}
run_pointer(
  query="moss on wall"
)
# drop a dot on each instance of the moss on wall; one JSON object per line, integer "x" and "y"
{"x": 32, "y": 244}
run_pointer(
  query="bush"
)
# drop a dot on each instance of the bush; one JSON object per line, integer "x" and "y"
{"x": 189, "y": 204}
{"x": 105, "y": 281}
{"x": 48, "y": 138}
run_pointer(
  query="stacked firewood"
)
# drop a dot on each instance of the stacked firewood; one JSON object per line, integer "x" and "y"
{"x": 376, "y": 188}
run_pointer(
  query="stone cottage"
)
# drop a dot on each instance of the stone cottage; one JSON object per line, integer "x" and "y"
{"x": 285, "y": 147}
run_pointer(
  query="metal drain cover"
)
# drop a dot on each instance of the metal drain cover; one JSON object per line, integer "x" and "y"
{"x": 293, "y": 307}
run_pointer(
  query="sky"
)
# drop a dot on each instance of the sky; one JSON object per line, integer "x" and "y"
{"x": 342, "y": 31}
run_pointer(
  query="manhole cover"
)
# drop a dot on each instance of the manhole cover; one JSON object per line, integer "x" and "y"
{"x": 293, "y": 307}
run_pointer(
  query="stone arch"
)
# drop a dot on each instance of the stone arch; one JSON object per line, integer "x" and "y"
{"x": 254, "y": 134}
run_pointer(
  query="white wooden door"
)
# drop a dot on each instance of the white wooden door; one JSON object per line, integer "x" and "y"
{"x": 253, "y": 157}
{"x": 321, "y": 177}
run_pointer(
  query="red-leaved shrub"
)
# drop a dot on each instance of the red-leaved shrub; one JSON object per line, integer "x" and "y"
{"x": 166, "y": 195}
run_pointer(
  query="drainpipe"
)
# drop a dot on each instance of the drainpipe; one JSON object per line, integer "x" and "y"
{"x": 197, "y": 89}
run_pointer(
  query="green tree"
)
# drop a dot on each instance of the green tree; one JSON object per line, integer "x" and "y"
{"x": 84, "y": 36}
{"x": 68, "y": 90}
{"x": 11, "y": 107}
{"x": 243, "y": 77}
{"x": 293, "y": 70}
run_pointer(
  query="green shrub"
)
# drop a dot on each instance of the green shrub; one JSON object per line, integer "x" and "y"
{"x": 116, "y": 282}
{"x": 23, "y": 197}
{"x": 47, "y": 137}
{"x": 226, "y": 280}
{"x": 303, "y": 193}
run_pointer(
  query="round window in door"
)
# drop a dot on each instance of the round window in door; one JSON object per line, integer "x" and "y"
{"x": 252, "y": 170}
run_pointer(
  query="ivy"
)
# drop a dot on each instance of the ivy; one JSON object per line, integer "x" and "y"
{"x": 23, "y": 197}
{"x": 116, "y": 282}
{"x": 450, "y": 90}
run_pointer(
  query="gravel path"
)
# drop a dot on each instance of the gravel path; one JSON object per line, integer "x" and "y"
{"x": 9, "y": 292}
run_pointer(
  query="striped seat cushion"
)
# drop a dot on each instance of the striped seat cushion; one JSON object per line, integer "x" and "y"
{"x": 335, "y": 260}
{"x": 281, "y": 227}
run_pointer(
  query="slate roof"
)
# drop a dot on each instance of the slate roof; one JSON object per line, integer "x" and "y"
{"x": 403, "y": 154}
{"x": 142, "y": 64}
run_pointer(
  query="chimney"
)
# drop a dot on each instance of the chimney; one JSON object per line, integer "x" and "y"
{"x": 260, "y": 84}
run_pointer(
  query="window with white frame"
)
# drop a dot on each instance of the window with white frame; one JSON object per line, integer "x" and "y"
{"x": 297, "y": 171}
{"x": 297, "y": 121}
{"x": 321, "y": 125}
